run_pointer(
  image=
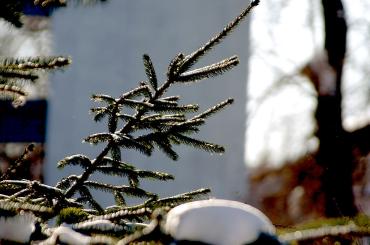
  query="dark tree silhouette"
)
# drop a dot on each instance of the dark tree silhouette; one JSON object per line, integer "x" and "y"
{"x": 335, "y": 150}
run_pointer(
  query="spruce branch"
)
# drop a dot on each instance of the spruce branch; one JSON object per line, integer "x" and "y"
{"x": 128, "y": 190}
{"x": 66, "y": 182}
{"x": 177, "y": 199}
{"x": 34, "y": 186}
{"x": 121, "y": 140}
{"x": 125, "y": 172}
{"x": 18, "y": 74}
{"x": 173, "y": 68}
{"x": 86, "y": 174}
{"x": 214, "y": 148}
{"x": 72, "y": 216}
{"x": 166, "y": 147}
{"x": 20, "y": 193}
{"x": 79, "y": 159}
{"x": 86, "y": 197}
{"x": 162, "y": 106}
{"x": 191, "y": 59}
{"x": 16, "y": 206}
{"x": 150, "y": 72}
{"x": 146, "y": 208}
{"x": 163, "y": 119}
{"x": 209, "y": 71}
{"x": 213, "y": 110}
{"x": 12, "y": 91}
{"x": 100, "y": 113}
{"x": 32, "y": 63}
{"x": 14, "y": 72}
{"x": 63, "y": 3}
{"x": 98, "y": 227}
{"x": 141, "y": 90}
{"x": 115, "y": 152}
{"x": 103, "y": 97}
{"x": 133, "y": 181}
{"x": 116, "y": 163}
{"x": 12, "y": 171}
{"x": 156, "y": 112}
{"x": 337, "y": 232}
{"x": 123, "y": 213}
{"x": 119, "y": 199}
{"x": 154, "y": 120}
{"x": 100, "y": 137}
{"x": 126, "y": 117}
{"x": 136, "y": 103}
{"x": 170, "y": 99}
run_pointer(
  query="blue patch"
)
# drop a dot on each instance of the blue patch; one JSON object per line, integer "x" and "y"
{"x": 30, "y": 9}
{"x": 23, "y": 124}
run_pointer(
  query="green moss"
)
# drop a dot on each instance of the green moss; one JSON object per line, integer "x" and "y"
{"x": 315, "y": 224}
{"x": 71, "y": 215}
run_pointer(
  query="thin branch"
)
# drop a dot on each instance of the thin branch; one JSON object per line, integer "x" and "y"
{"x": 193, "y": 57}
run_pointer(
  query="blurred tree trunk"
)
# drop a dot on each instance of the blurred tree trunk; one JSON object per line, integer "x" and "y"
{"x": 335, "y": 150}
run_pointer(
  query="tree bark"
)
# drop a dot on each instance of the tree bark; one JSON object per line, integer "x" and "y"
{"x": 335, "y": 150}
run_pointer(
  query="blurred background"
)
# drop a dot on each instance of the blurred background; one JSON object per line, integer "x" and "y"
{"x": 308, "y": 109}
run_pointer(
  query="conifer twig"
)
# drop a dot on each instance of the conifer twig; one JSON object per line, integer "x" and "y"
{"x": 6, "y": 89}
{"x": 63, "y": 3}
{"x": 29, "y": 63}
{"x": 142, "y": 119}
{"x": 190, "y": 60}
{"x": 339, "y": 231}
{"x": 209, "y": 71}
{"x": 177, "y": 72}
{"x": 12, "y": 171}
{"x": 14, "y": 72}
{"x": 18, "y": 74}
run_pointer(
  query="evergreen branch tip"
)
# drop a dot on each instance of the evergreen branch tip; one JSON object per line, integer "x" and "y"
{"x": 192, "y": 58}
{"x": 255, "y": 3}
